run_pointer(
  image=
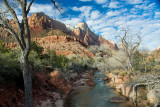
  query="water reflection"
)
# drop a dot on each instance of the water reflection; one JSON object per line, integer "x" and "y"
{"x": 97, "y": 96}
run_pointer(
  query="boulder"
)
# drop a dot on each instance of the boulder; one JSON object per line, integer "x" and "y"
{"x": 126, "y": 90}
{"x": 81, "y": 82}
{"x": 107, "y": 79}
{"x": 73, "y": 76}
{"x": 117, "y": 99}
{"x": 90, "y": 82}
{"x": 58, "y": 81}
{"x": 118, "y": 80}
{"x": 153, "y": 96}
{"x": 46, "y": 103}
{"x": 59, "y": 103}
{"x": 56, "y": 96}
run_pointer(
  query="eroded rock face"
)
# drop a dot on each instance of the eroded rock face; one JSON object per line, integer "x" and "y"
{"x": 42, "y": 21}
{"x": 59, "y": 82}
{"x": 119, "y": 83}
{"x": 83, "y": 32}
{"x": 64, "y": 45}
{"x": 90, "y": 82}
{"x": 153, "y": 96}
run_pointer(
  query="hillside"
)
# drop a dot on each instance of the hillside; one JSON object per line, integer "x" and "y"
{"x": 64, "y": 45}
{"x": 41, "y": 24}
{"x": 65, "y": 39}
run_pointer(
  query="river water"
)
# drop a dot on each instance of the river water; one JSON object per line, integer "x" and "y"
{"x": 98, "y": 96}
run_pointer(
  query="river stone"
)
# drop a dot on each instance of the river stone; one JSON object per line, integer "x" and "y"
{"x": 117, "y": 99}
{"x": 90, "y": 82}
{"x": 59, "y": 103}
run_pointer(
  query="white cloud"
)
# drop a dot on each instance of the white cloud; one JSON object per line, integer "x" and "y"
{"x": 85, "y": 0}
{"x": 82, "y": 9}
{"x": 95, "y": 14}
{"x": 113, "y": 13}
{"x": 138, "y": 18}
{"x": 157, "y": 15}
{"x": 75, "y": 8}
{"x": 145, "y": 6}
{"x": 101, "y": 1}
{"x": 45, "y": 8}
{"x": 19, "y": 17}
{"x": 85, "y": 11}
{"x": 134, "y": 1}
{"x": 113, "y": 4}
{"x": 72, "y": 21}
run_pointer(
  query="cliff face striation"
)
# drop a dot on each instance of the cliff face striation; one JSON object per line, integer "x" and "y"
{"x": 39, "y": 22}
{"x": 52, "y": 33}
{"x": 83, "y": 32}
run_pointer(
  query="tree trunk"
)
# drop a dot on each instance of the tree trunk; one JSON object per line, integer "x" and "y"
{"x": 27, "y": 80}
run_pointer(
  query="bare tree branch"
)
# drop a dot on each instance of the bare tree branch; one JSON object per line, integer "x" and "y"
{"x": 58, "y": 8}
{"x": 29, "y": 6}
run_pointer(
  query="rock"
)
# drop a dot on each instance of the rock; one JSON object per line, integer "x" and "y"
{"x": 59, "y": 103}
{"x": 73, "y": 76}
{"x": 107, "y": 80}
{"x": 90, "y": 82}
{"x": 83, "y": 32}
{"x": 117, "y": 100}
{"x": 64, "y": 45}
{"x": 42, "y": 21}
{"x": 56, "y": 96}
{"x": 126, "y": 90}
{"x": 153, "y": 96}
{"x": 57, "y": 80}
{"x": 118, "y": 80}
{"x": 144, "y": 102}
{"x": 46, "y": 103}
{"x": 80, "y": 82}
{"x": 85, "y": 75}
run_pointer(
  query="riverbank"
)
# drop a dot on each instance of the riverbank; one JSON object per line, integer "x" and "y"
{"x": 81, "y": 83}
{"x": 124, "y": 85}
{"x": 97, "y": 96}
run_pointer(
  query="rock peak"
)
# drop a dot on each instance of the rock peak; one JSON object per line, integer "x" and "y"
{"x": 41, "y": 21}
{"x": 82, "y": 25}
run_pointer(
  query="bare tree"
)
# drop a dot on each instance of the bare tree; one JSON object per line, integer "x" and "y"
{"x": 23, "y": 37}
{"x": 130, "y": 44}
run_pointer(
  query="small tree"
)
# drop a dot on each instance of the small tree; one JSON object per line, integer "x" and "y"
{"x": 130, "y": 44}
{"x": 22, "y": 35}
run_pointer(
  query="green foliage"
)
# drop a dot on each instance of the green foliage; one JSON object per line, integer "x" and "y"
{"x": 78, "y": 63}
{"x": 137, "y": 61}
{"x": 123, "y": 73}
{"x": 36, "y": 59}
{"x": 10, "y": 72}
{"x": 36, "y": 62}
{"x": 56, "y": 61}
{"x": 36, "y": 48}
{"x": 3, "y": 48}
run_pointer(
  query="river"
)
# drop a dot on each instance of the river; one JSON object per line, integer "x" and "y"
{"x": 98, "y": 96}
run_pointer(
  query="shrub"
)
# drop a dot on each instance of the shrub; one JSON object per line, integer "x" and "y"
{"x": 10, "y": 72}
{"x": 36, "y": 48}
{"x": 36, "y": 58}
{"x": 36, "y": 62}
{"x": 116, "y": 71}
{"x": 56, "y": 61}
{"x": 79, "y": 63}
{"x": 3, "y": 48}
{"x": 122, "y": 73}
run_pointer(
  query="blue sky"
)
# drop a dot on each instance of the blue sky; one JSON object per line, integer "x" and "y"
{"x": 108, "y": 17}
